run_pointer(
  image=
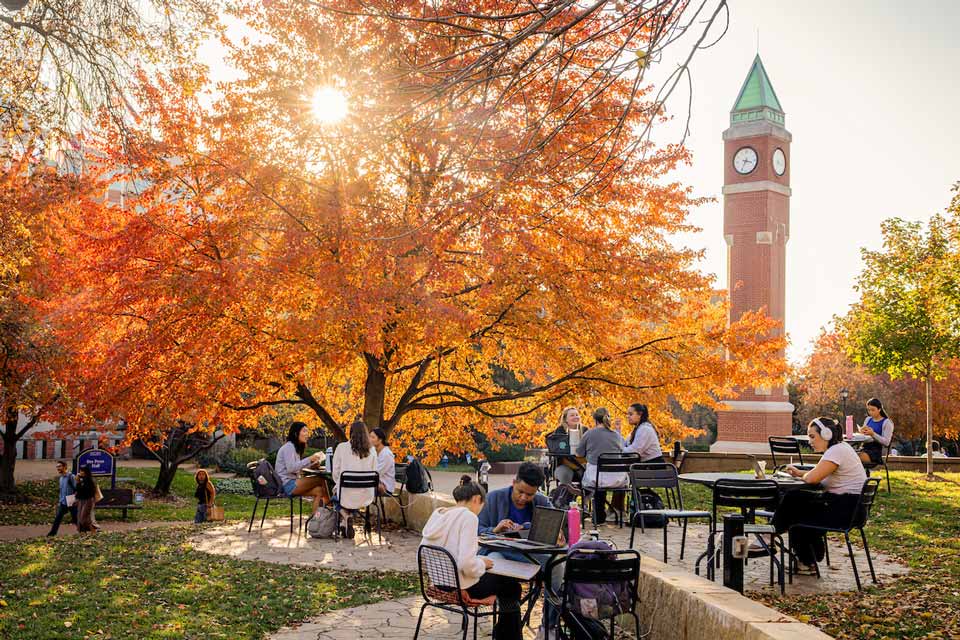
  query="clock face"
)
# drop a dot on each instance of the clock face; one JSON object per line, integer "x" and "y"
{"x": 745, "y": 160}
{"x": 779, "y": 162}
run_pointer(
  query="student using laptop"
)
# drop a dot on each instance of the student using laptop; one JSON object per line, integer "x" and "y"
{"x": 510, "y": 509}
{"x": 567, "y": 468}
{"x": 455, "y": 529}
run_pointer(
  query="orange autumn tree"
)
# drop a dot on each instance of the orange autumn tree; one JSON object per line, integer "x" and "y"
{"x": 480, "y": 239}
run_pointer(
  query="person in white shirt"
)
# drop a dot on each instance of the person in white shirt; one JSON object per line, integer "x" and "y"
{"x": 354, "y": 455}
{"x": 937, "y": 451}
{"x": 841, "y": 474}
{"x": 289, "y": 464}
{"x": 644, "y": 440}
{"x": 386, "y": 462}
{"x": 455, "y": 530}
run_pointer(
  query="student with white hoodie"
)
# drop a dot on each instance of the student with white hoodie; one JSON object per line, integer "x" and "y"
{"x": 455, "y": 529}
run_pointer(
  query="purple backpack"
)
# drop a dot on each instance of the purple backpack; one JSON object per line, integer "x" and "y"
{"x": 597, "y": 601}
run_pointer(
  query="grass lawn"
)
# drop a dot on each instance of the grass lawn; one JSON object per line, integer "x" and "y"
{"x": 180, "y": 505}
{"x": 920, "y": 525}
{"x": 152, "y": 584}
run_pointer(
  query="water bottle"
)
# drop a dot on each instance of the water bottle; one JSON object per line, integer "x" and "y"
{"x": 573, "y": 524}
{"x": 329, "y": 459}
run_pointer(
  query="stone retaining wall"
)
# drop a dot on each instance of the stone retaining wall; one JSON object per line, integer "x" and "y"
{"x": 676, "y": 604}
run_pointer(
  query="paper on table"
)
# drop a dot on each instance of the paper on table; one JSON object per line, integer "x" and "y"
{"x": 514, "y": 569}
{"x": 574, "y": 435}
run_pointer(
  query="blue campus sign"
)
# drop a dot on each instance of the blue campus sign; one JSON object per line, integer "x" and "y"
{"x": 99, "y": 461}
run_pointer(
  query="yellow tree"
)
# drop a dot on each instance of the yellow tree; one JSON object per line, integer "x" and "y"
{"x": 398, "y": 207}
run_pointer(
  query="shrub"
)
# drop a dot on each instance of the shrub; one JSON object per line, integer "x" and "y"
{"x": 507, "y": 453}
{"x": 238, "y": 486}
{"x": 236, "y": 460}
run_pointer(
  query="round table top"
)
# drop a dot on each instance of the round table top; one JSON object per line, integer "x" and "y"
{"x": 710, "y": 478}
{"x": 855, "y": 438}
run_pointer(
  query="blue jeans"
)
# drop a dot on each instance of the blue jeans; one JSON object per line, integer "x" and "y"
{"x": 63, "y": 510}
{"x": 201, "y": 515}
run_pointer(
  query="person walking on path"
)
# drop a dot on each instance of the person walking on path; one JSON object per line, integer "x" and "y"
{"x": 205, "y": 495}
{"x": 67, "y": 502}
{"x": 86, "y": 498}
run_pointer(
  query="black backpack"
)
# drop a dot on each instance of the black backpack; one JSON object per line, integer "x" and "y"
{"x": 561, "y": 497}
{"x": 271, "y": 486}
{"x": 652, "y": 501}
{"x": 418, "y": 478}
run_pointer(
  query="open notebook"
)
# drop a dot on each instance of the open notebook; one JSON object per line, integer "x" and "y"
{"x": 514, "y": 569}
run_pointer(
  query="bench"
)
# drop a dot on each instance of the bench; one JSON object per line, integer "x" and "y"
{"x": 118, "y": 499}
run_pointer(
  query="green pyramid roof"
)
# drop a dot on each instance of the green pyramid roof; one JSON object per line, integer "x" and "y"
{"x": 757, "y": 100}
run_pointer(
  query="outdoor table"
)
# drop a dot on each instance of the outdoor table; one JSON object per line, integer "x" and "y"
{"x": 854, "y": 439}
{"x": 494, "y": 544}
{"x": 320, "y": 472}
{"x": 710, "y": 478}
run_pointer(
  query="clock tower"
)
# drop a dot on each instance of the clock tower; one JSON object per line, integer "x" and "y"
{"x": 756, "y": 226}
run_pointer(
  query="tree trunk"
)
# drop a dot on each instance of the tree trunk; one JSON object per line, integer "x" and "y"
{"x": 8, "y": 461}
{"x": 929, "y": 384}
{"x": 374, "y": 393}
{"x": 168, "y": 471}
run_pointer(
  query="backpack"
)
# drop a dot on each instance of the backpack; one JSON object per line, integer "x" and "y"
{"x": 561, "y": 497}
{"x": 323, "y": 524}
{"x": 650, "y": 502}
{"x": 272, "y": 485}
{"x": 418, "y": 478}
{"x": 599, "y": 601}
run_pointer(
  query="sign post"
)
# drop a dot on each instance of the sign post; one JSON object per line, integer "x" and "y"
{"x": 101, "y": 463}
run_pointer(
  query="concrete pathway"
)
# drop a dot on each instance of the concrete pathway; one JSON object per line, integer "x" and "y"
{"x": 23, "y": 532}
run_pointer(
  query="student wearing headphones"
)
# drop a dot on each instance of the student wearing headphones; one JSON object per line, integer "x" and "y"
{"x": 841, "y": 475}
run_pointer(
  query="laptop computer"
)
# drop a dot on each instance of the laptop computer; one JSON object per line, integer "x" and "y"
{"x": 558, "y": 444}
{"x": 543, "y": 532}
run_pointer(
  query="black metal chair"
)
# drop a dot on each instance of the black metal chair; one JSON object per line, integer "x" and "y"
{"x": 611, "y": 463}
{"x": 361, "y": 480}
{"x": 886, "y": 468}
{"x": 663, "y": 476}
{"x": 440, "y": 588}
{"x": 260, "y": 492}
{"x": 751, "y": 496}
{"x": 858, "y": 520}
{"x": 400, "y": 474}
{"x": 592, "y": 567}
{"x": 786, "y": 446}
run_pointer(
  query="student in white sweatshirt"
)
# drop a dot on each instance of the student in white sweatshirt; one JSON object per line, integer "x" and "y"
{"x": 455, "y": 529}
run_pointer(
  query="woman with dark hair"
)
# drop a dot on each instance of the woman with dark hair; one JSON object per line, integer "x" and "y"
{"x": 644, "y": 440}
{"x": 879, "y": 427}
{"x": 386, "y": 462}
{"x": 600, "y": 440}
{"x": 289, "y": 464}
{"x": 354, "y": 455}
{"x": 455, "y": 529}
{"x": 86, "y": 498}
{"x": 841, "y": 475}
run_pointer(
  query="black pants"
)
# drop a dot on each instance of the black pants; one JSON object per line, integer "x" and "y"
{"x": 509, "y": 624}
{"x": 63, "y": 510}
{"x": 817, "y": 509}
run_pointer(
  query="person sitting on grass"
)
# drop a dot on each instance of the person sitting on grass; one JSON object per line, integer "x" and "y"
{"x": 354, "y": 455}
{"x": 841, "y": 474}
{"x": 510, "y": 509}
{"x": 65, "y": 505}
{"x": 455, "y": 530}
{"x": 289, "y": 465}
{"x": 205, "y": 495}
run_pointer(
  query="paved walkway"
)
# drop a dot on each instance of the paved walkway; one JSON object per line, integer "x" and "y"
{"x": 23, "y": 532}
{"x": 397, "y": 552}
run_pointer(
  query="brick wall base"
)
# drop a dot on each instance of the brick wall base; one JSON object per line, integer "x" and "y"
{"x": 738, "y": 430}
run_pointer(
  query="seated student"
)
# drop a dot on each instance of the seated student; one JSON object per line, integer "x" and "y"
{"x": 567, "y": 468}
{"x": 599, "y": 440}
{"x": 879, "y": 427}
{"x": 455, "y": 529}
{"x": 840, "y": 473}
{"x": 643, "y": 440}
{"x": 353, "y": 455}
{"x": 386, "y": 462}
{"x": 289, "y": 465}
{"x": 510, "y": 509}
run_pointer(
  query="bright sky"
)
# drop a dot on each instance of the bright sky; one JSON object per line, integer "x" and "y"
{"x": 870, "y": 94}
